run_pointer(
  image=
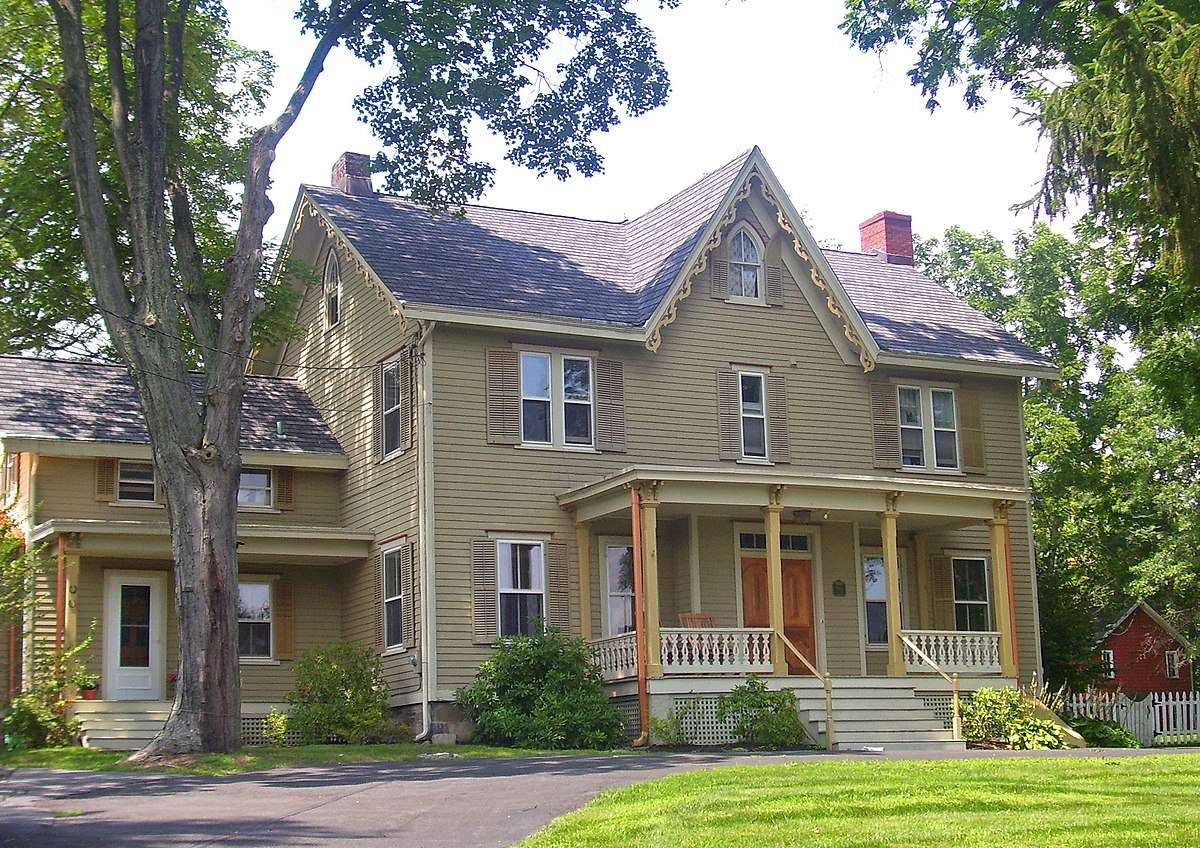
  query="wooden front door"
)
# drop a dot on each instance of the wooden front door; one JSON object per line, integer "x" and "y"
{"x": 799, "y": 622}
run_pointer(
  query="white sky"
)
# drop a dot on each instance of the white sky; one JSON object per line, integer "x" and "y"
{"x": 845, "y": 133}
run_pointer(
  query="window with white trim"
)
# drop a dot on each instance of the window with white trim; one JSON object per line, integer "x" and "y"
{"x": 557, "y": 399}
{"x": 521, "y": 582}
{"x": 619, "y": 564}
{"x": 135, "y": 481}
{"x": 745, "y": 266}
{"x": 1108, "y": 664}
{"x": 972, "y": 610}
{"x": 1173, "y": 664}
{"x": 256, "y": 488}
{"x": 331, "y": 290}
{"x": 875, "y": 600}
{"x": 928, "y": 427}
{"x": 393, "y": 597}
{"x": 392, "y": 420}
{"x": 254, "y": 619}
{"x": 752, "y": 397}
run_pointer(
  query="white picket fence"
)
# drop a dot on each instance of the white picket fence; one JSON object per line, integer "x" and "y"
{"x": 1160, "y": 718}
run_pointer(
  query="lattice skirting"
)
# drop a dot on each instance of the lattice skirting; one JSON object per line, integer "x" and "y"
{"x": 252, "y": 732}
{"x": 630, "y": 717}
{"x": 943, "y": 706}
{"x": 700, "y": 723}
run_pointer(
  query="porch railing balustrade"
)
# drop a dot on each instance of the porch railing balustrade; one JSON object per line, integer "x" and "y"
{"x": 615, "y": 656}
{"x": 960, "y": 651}
{"x": 710, "y": 650}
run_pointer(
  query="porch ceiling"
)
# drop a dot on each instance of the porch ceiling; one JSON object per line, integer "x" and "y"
{"x": 285, "y": 544}
{"x": 923, "y": 503}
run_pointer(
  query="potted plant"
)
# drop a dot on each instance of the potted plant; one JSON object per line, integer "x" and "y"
{"x": 88, "y": 683}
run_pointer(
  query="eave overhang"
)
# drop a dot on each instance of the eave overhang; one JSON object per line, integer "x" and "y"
{"x": 320, "y": 461}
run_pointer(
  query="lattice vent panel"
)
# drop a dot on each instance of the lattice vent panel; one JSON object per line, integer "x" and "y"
{"x": 942, "y": 707}
{"x": 700, "y": 722}
{"x": 252, "y": 732}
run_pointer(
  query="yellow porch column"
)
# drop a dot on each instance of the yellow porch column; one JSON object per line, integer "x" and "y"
{"x": 650, "y": 580}
{"x": 775, "y": 584}
{"x": 891, "y": 577}
{"x": 924, "y": 595}
{"x": 583, "y": 543}
{"x": 1002, "y": 588}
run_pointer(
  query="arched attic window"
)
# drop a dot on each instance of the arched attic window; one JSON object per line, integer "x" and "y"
{"x": 331, "y": 289}
{"x": 745, "y": 265}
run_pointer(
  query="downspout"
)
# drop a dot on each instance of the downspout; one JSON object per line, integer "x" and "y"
{"x": 1012, "y": 598}
{"x": 639, "y": 618}
{"x": 425, "y": 536}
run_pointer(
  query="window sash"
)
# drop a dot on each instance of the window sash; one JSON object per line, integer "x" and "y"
{"x": 1172, "y": 659}
{"x": 393, "y": 599}
{"x": 972, "y": 595}
{"x": 521, "y": 583}
{"x": 1108, "y": 659}
{"x": 136, "y": 481}
{"x": 753, "y": 415}
{"x": 392, "y": 405}
{"x": 558, "y": 399}
{"x": 620, "y": 589}
{"x": 875, "y": 600}
{"x": 255, "y": 619}
{"x": 256, "y": 487}
{"x": 331, "y": 286}
{"x": 928, "y": 428}
{"x": 578, "y": 401}
{"x": 744, "y": 267}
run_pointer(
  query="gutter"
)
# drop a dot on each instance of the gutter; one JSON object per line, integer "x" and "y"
{"x": 425, "y": 535}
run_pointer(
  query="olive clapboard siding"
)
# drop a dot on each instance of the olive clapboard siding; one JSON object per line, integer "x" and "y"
{"x": 338, "y": 368}
{"x": 66, "y": 489}
{"x": 671, "y": 418}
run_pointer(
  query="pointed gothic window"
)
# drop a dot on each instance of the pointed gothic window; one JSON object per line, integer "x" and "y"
{"x": 332, "y": 290}
{"x": 745, "y": 266}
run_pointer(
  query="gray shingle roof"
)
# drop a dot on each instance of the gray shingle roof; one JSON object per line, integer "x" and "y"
{"x": 83, "y": 401}
{"x": 529, "y": 263}
{"x": 906, "y": 312}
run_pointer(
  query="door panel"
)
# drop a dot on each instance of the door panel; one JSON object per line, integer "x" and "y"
{"x": 134, "y": 638}
{"x": 799, "y": 622}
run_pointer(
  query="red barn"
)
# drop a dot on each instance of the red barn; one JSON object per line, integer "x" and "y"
{"x": 1143, "y": 653}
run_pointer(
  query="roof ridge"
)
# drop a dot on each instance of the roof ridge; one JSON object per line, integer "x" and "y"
{"x": 740, "y": 158}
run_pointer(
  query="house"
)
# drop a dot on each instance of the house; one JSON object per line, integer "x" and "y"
{"x": 811, "y": 460}
{"x": 1142, "y": 653}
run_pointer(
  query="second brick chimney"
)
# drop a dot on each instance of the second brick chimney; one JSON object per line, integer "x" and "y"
{"x": 890, "y": 234}
{"x": 352, "y": 174}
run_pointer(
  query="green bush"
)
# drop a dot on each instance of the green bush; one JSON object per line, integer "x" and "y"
{"x": 762, "y": 718}
{"x": 340, "y": 696}
{"x": 1103, "y": 734}
{"x": 541, "y": 691}
{"x": 275, "y": 727}
{"x": 1004, "y": 715}
{"x": 38, "y": 717}
{"x": 671, "y": 729}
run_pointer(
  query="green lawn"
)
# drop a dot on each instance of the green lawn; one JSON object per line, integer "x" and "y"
{"x": 252, "y": 759}
{"x": 1029, "y": 803}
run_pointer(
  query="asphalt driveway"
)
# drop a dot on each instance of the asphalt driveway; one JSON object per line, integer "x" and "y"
{"x": 425, "y": 804}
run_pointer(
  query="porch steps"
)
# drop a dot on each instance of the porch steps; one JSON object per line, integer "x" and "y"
{"x": 120, "y": 725}
{"x": 872, "y": 713}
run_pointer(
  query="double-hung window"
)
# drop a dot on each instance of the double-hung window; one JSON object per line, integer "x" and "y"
{"x": 135, "y": 481}
{"x": 557, "y": 399}
{"x": 619, "y": 561}
{"x": 521, "y": 579}
{"x": 256, "y": 488}
{"x": 745, "y": 267}
{"x": 875, "y": 600}
{"x": 753, "y": 400}
{"x": 393, "y": 598}
{"x": 331, "y": 286}
{"x": 393, "y": 406}
{"x": 1108, "y": 664}
{"x": 971, "y": 607}
{"x": 254, "y": 619}
{"x": 928, "y": 427}
{"x": 1173, "y": 663}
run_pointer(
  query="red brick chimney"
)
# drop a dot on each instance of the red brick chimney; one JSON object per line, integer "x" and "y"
{"x": 352, "y": 174}
{"x": 890, "y": 234}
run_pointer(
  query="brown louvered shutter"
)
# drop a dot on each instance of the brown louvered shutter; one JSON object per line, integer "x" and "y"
{"x": 284, "y": 620}
{"x": 485, "y": 603}
{"x": 970, "y": 431}
{"x": 774, "y": 285}
{"x": 610, "y": 405}
{"x": 377, "y": 411}
{"x": 728, "y": 415}
{"x": 885, "y": 422}
{"x": 406, "y": 399}
{"x": 408, "y": 584}
{"x": 943, "y": 592}
{"x": 558, "y": 587}
{"x": 285, "y": 488}
{"x": 377, "y": 637}
{"x": 718, "y": 275}
{"x": 503, "y": 396}
{"x": 777, "y": 424}
{"x": 106, "y": 479}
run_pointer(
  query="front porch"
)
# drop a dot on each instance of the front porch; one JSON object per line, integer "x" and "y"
{"x": 873, "y": 587}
